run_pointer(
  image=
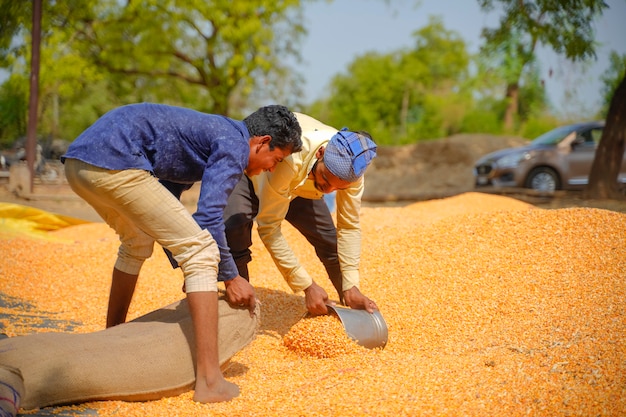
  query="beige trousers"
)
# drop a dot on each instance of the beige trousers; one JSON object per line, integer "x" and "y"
{"x": 142, "y": 211}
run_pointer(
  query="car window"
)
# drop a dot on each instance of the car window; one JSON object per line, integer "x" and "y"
{"x": 589, "y": 137}
{"x": 554, "y": 136}
{"x": 596, "y": 134}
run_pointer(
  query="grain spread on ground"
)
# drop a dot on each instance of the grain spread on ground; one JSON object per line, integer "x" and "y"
{"x": 322, "y": 337}
{"x": 493, "y": 307}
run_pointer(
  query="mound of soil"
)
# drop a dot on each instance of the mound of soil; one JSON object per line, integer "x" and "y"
{"x": 431, "y": 169}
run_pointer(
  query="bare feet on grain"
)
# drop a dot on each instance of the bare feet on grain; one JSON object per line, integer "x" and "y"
{"x": 220, "y": 390}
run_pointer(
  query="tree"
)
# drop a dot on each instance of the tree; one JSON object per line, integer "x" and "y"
{"x": 14, "y": 91}
{"x": 66, "y": 79}
{"x": 611, "y": 78}
{"x": 213, "y": 55}
{"x": 370, "y": 90}
{"x": 608, "y": 160}
{"x": 530, "y": 99}
{"x": 223, "y": 48}
{"x": 563, "y": 25}
{"x": 402, "y": 96}
{"x": 14, "y": 16}
{"x": 609, "y": 155}
{"x": 13, "y": 110}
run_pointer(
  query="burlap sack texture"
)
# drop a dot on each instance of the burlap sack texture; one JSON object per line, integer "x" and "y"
{"x": 11, "y": 390}
{"x": 145, "y": 359}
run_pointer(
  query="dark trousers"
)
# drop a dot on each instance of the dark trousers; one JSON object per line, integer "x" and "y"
{"x": 312, "y": 218}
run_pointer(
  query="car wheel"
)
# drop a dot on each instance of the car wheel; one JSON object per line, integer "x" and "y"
{"x": 543, "y": 179}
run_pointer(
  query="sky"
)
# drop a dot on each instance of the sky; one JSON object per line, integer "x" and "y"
{"x": 383, "y": 27}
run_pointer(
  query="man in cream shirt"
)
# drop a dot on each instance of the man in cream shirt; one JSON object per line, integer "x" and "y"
{"x": 330, "y": 160}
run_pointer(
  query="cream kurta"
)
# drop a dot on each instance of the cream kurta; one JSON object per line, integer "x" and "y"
{"x": 289, "y": 180}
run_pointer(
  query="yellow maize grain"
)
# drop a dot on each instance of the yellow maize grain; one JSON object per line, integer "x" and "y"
{"x": 493, "y": 307}
{"x": 322, "y": 337}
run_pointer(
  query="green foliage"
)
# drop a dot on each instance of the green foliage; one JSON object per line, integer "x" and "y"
{"x": 218, "y": 47}
{"x": 357, "y": 98}
{"x": 426, "y": 92}
{"x": 15, "y": 16}
{"x": 532, "y": 94}
{"x": 403, "y": 96}
{"x": 425, "y": 122}
{"x": 99, "y": 54}
{"x": 489, "y": 85}
{"x": 440, "y": 55}
{"x": 481, "y": 121}
{"x": 13, "y": 110}
{"x": 536, "y": 126}
{"x": 611, "y": 79}
{"x": 566, "y": 26}
{"x": 229, "y": 57}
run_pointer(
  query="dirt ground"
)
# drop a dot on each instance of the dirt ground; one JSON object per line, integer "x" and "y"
{"x": 399, "y": 176}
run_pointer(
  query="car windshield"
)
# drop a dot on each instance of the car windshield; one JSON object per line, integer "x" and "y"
{"x": 554, "y": 136}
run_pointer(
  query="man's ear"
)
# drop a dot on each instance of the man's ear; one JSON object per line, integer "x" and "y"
{"x": 257, "y": 142}
{"x": 265, "y": 139}
{"x": 260, "y": 140}
{"x": 320, "y": 152}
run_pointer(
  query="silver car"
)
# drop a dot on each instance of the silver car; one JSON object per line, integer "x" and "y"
{"x": 560, "y": 159}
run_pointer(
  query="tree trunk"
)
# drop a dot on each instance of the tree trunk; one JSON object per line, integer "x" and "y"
{"x": 603, "y": 178}
{"x": 512, "y": 105}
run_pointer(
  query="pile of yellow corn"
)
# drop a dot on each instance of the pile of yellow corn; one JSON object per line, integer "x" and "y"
{"x": 322, "y": 337}
{"x": 493, "y": 308}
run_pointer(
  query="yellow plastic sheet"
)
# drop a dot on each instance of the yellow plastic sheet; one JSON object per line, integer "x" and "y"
{"x": 17, "y": 220}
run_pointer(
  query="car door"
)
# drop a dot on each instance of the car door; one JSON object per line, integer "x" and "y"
{"x": 581, "y": 156}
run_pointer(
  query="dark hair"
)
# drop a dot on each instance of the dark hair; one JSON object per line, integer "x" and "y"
{"x": 278, "y": 122}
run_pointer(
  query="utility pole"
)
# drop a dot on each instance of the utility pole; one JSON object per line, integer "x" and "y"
{"x": 31, "y": 133}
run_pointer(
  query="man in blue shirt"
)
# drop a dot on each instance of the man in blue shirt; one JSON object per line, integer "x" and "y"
{"x": 116, "y": 166}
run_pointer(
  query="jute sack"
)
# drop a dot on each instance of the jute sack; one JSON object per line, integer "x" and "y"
{"x": 11, "y": 391}
{"x": 148, "y": 358}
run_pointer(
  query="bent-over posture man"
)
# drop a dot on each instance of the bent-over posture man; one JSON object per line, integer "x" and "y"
{"x": 116, "y": 164}
{"x": 330, "y": 160}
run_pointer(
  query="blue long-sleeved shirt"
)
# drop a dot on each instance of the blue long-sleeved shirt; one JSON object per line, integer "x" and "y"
{"x": 178, "y": 145}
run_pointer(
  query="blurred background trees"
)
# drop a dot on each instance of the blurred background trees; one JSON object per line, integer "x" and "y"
{"x": 214, "y": 56}
{"x": 562, "y": 25}
{"x": 231, "y": 57}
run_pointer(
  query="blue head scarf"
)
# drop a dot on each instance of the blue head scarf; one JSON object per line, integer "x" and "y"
{"x": 348, "y": 155}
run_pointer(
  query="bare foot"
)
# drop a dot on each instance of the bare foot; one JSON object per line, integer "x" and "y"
{"x": 220, "y": 390}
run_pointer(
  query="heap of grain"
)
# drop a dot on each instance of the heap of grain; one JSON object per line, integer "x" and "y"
{"x": 493, "y": 308}
{"x": 321, "y": 337}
